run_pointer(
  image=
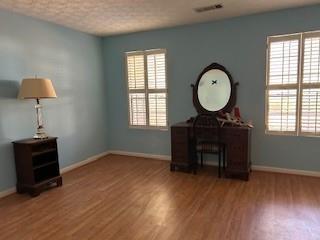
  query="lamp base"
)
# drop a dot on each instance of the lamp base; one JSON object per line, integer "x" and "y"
{"x": 40, "y": 134}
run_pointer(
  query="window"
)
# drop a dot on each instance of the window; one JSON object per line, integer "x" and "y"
{"x": 293, "y": 84}
{"x": 147, "y": 89}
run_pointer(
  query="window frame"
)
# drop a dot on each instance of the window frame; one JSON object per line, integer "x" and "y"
{"x": 299, "y": 86}
{"x": 146, "y": 89}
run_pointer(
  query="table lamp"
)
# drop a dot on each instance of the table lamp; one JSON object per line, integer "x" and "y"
{"x": 37, "y": 88}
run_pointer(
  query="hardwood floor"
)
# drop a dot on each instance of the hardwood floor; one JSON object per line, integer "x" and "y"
{"x": 122, "y": 197}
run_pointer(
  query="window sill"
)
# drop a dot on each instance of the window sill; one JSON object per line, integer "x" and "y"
{"x": 149, "y": 128}
{"x": 291, "y": 134}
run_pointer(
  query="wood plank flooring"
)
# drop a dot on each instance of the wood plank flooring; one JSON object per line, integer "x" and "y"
{"x": 122, "y": 197}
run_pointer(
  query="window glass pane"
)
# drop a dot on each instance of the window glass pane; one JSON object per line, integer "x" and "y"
{"x": 283, "y": 62}
{"x": 158, "y": 109}
{"x": 137, "y": 109}
{"x": 282, "y": 110}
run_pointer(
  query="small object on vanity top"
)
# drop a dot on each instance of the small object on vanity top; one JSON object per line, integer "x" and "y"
{"x": 232, "y": 119}
{"x": 236, "y": 112}
{"x": 190, "y": 120}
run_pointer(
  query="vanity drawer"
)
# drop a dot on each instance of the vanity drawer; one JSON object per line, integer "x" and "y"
{"x": 179, "y": 135}
{"x": 235, "y": 135}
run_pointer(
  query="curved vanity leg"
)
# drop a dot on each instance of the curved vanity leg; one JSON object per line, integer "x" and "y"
{"x": 201, "y": 159}
{"x": 219, "y": 167}
{"x": 224, "y": 158}
{"x": 172, "y": 168}
{"x": 194, "y": 170}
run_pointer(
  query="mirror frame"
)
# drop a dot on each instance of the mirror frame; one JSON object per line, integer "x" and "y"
{"x": 233, "y": 95}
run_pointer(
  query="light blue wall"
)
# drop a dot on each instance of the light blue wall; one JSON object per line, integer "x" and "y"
{"x": 239, "y": 44}
{"x": 90, "y": 115}
{"x": 74, "y": 62}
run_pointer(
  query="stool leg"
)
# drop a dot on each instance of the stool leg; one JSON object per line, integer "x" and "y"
{"x": 219, "y": 167}
{"x": 201, "y": 159}
{"x": 224, "y": 158}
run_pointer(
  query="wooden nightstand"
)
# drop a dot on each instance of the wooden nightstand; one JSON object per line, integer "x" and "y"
{"x": 37, "y": 165}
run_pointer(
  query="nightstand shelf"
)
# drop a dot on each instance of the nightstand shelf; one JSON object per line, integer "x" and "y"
{"x": 34, "y": 154}
{"x": 37, "y": 165}
{"x": 44, "y": 165}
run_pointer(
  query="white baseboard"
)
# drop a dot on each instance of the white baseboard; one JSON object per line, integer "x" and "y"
{"x": 142, "y": 155}
{"x": 84, "y": 162}
{"x": 254, "y": 167}
{"x": 285, "y": 171}
{"x": 7, "y": 192}
{"x": 62, "y": 171}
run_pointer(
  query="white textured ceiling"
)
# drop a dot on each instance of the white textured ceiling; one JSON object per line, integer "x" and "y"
{"x": 110, "y": 17}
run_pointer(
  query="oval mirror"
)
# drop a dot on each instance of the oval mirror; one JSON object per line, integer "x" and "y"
{"x": 214, "y": 90}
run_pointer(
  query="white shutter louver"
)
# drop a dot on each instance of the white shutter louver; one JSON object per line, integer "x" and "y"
{"x": 147, "y": 88}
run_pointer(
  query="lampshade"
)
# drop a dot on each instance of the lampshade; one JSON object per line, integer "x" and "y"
{"x": 36, "y": 88}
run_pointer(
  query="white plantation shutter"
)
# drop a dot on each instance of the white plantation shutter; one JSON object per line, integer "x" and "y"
{"x": 157, "y": 89}
{"x": 310, "y": 111}
{"x": 147, "y": 88}
{"x": 311, "y": 59}
{"x": 156, "y": 71}
{"x": 137, "y": 106}
{"x": 310, "y": 86}
{"x": 136, "y": 89}
{"x": 283, "y": 57}
{"x": 158, "y": 109}
{"x": 282, "y": 84}
{"x": 135, "y": 65}
{"x": 293, "y": 84}
{"x": 282, "y": 110}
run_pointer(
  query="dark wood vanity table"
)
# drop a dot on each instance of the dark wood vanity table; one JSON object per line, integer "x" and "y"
{"x": 214, "y": 96}
{"x": 237, "y": 140}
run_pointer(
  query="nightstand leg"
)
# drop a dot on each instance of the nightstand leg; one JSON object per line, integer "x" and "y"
{"x": 34, "y": 193}
{"x": 59, "y": 182}
{"x": 20, "y": 189}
